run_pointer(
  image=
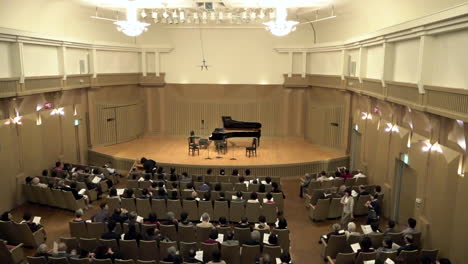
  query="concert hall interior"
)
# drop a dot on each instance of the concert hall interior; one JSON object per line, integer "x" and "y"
{"x": 343, "y": 123}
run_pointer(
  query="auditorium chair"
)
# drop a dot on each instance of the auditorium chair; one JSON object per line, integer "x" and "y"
{"x": 78, "y": 229}
{"x": 230, "y": 254}
{"x": 61, "y": 260}
{"x": 342, "y": 258}
{"x": 92, "y": 194}
{"x": 203, "y": 234}
{"x": 35, "y": 260}
{"x": 273, "y": 251}
{"x": 128, "y": 204}
{"x": 27, "y": 237}
{"x": 365, "y": 256}
{"x": 187, "y": 234}
{"x": 146, "y": 184}
{"x": 350, "y": 182}
{"x": 221, "y": 209}
{"x": 253, "y": 187}
{"x": 397, "y": 238}
{"x": 96, "y": 229}
{"x": 11, "y": 255}
{"x": 409, "y": 256}
{"x": 51, "y": 199}
{"x": 211, "y": 178}
{"x": 236, "y": 211}
{"x": 128, "y": 249}
{"x": 124, "y": 261}
{"x": 319, "y": 212}
{"x": 313, "y": 185}
{"x": 158, "y": 206}
{"x": 224, "y": 230}
{"x": 250, "y": 254}
{"x": 125, "y": 228}
{"x": 165, "y": 262}
{"x": 283, "y": 238}
{"x": 111, "y": 243}
{"x": 144, "y": 227}
{"x": 352, "y": 239}
{"x": 163, "y": 246}
{"x": 417, "y": 239}
{"x": 224, "y": 179}
{"x": 242, "y": 235}
{"x": 71, "y": 242}
{"x": 338, "y": 181}
{"x": 361, "y": 181}
{"x": 360, "y": 205}
{"x": 327, "y": 184}
{"x": 8, "y": 232}
{"x": 186, "y": 194}
{"x": 335, "y": 245}
{"x": 279, "y": 200}
{"x": 252, "y": 211}
{"x": 208, "y": 250}
{"x": 146, "y": 262}
{"x": 430, "y": 253}
{"x": 269, "y": 211}
{"x": 205, "y": 207}
{"x": 88, "y": 244}
{"x": 58, "y": 197}
{"x": 132, "y": 184}
{"x": 214, "y": 195}
{"x": 384, "y": 255}
{"x": 101, "y": 261}
{"x": 336, "y": 208}
{"x": 169, "y": 231}
{"x": 240, "y": 187}
{"x": 185, "y": 248}
{"x": 149, "y": 250}
{"x": 143, "y": 207}
{"x": 376, "y": 239}
{"x": 226, "y": 186}
{"x": 78, "y": 261}
{"x": 175, "y": 207}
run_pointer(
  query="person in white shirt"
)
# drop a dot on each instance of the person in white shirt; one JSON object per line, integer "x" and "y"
{"x": 323, "y": 177}
{"x": 348, "y": 205}
{"x": 359, "y": 175}
{"x": 253, "y": 198}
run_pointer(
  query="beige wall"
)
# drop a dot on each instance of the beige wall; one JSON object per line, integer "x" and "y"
{"x": 430, "y": 176}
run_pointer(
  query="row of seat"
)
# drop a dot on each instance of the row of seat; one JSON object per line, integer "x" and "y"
{"x": 195, "y": 209}
{"x": 12, "y": 255}
{"x": 181, "y": 233}
{"x": 130, "y": 251}
{"x": 336, "y": 182}
{"x": 407, "y": 257}
{"x": 53, "y": 197}
{"x": 80, "y": 185}
{"x": 211, "y": 178}
{"x": 341, "y": 244}
{"x": 16, "y": 233}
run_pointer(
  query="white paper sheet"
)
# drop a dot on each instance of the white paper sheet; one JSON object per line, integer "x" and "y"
{"x": 220, "y": 238}
{"x": 366, "y": 229}
{"x": 354, "y": 193}
{"x": 55, "y": 247}
{"x": 89, "y": 221}
{"x": 265, "y": 238}
{"x": 278, "y": 261}
{"x": 96, "y": 180}
{"x": 355, "y": 247}
{"x": 37, "y": 220}
{"x": 141, "y": 179}
{"x": 139, "y": 219}
{"x": 369, "y": 262}
{"x": 341, "y": 232}
{"x": 389, "y": 261}
{"x": 199, "y": 255}
{"x": 395, "y": 246}
{"x": 120, "y": 191}
{"x": 82, "y": 191}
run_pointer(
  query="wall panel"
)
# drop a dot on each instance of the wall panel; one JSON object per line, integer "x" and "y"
{"x": 40, "y": 60}
{"x": 405, "y": 61}
{"x": 374, "y": 63}
{"x": 327, "y": 63}
{"x": 10, "y": 165}
{"x": 73, "y": 58}
{"x": 117, "y": 62}
{"x": 6, "y": 62}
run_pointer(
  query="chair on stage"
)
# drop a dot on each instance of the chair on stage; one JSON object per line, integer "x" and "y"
{"x": 193, "y": 145}
{"x": 252, "y": 150}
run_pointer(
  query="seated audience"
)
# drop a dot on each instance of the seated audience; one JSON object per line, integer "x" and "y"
{"x": 244, "y": 223}
{"x": 216, "y": 258}
{"x": 346, "y": 174}
{"x": 262, "y": 224}
{"x": 170, "y": 220}
{"x": 222, "y": 197}
{"x": 409, "y": 246}
{"x": 151, "y": 235}
{"x": 132, "y": 234}
{"x": 362, "y": 190}
{"x": 104, "y": 252}
{"x": 78, "y": 216}
{"x": 152, "y": 220}
{"x": 184, "y": 219}
{"x": 43, "y": 251}
{"x": 171, "y": 254}
{"x": 275, "y": 189}
{"x": 191, "y": 257}
{"x": 261, "y": 188}
{"x": 391, "y": 227}
{"x": 113, "y": 193}
{"x": 366, "y": 245}
{"x": 253, "y": 198}
{"x": 205, "y": 221}
{"x": 229, "y": 239}
{"x": 282, "y": 223}
{"x": 37, "y": 182}
{"x": 359, "y": 174}
{"x": 285, "y": 258}
{"x": 254, "y": 239}
{"x": 118, "y": 216}
{"x": 111, "y": 234}
{"x": 304, "y": 184}
{"x": 269, "y": 198}
{"x": 351, "y": 230}
{"x": 238, "y": 197}
{"x": 336, "y": 232}
{"x": 62, "y": 252}
{"x": 411, "y": 227}
{"x": 222, "y": 222}
{"x": 212, "y": 237}
{"x": 102, "y": 215}
{"x": 27, "y": 218}
{"x": 6, "y": 216}
{"x": 322, "y": 177}
{"x": 386, "y": 247}
{"x": 272, "y": 240}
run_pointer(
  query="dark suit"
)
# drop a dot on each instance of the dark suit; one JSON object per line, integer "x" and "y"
{"x": 110, "y": 235}
{"x": 409, "y": 247}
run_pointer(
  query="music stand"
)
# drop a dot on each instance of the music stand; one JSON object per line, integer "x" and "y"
{"x": 208, "y": 148}
{"x": 233, "y": 145}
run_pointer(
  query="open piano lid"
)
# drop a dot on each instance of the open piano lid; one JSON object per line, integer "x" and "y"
{"x": 229, "y": 123}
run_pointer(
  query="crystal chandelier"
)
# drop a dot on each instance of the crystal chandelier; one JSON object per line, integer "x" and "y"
{"x": 281, "y": 26}
{"x": 131, "y": 27}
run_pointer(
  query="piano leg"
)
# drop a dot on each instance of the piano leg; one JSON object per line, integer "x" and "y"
{"x": 258, "y": 140}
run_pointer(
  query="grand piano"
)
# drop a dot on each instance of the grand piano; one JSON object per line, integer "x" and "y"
{"x": 233, "y": 128}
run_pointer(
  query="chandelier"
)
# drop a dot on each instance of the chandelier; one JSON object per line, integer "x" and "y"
{"x": 131, "y": 27}
{"x": 281, "y": 26}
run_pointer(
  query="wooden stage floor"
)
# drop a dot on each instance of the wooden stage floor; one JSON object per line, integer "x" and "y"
{"x": 172, "y": 149}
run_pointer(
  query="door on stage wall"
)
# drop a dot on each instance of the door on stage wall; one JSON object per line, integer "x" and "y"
{"x": 404, "y": 193}
{"x": 355, "y": 159}
{"x": 107, "y": 125}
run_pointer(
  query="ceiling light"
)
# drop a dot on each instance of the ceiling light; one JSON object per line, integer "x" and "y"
{"x": 174, "y": 14}
{"x": 212, "y": 16}
{"x": 428, "y": 146}
{"x": 204, "y": 15}
{"x": 392, "y": 128}
{"x": 272, "y": 14}
{"x": 253, "y": 15}
{"x": 182, "y": 16}
{"x": 366, "y": 116}
{"x": 15, "y": 120}
{"x": 143, "y": 13}
{"x": 165, "y": 14}
{"x": 131, "y": 27}
{"x": 154, "y": 15}
{"x": 244, "y": 15}
{"x": 281, "y": 26}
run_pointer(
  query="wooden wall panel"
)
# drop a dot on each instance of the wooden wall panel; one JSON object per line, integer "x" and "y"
{"x": 8, "y": 87}
{"x": 9, "y": 165}
{"x": 69, "y": 135}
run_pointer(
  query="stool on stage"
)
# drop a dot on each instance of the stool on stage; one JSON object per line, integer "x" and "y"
{"x": 252, "y": 150}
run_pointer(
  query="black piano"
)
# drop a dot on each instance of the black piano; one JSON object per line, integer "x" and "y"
{"x": 234, "y": 128}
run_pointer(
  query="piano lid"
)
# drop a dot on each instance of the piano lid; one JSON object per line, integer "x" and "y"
{"x": 229, "y": 123}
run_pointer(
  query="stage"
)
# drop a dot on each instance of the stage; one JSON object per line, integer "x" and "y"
{"x": 276, "y": 156}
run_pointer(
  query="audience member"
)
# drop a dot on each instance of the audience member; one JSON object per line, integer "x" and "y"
{"x": 322, "y": 177}
{"x": 37, "y": 182}
{"x": 212, "y": 237}
{"x": 336, "y": 232}
{"x": 409, "y": 246}
{"x": 348, "y": 206}
{"x": 102, "y": 215}
{"x": 171, "y": 254}
{"x": 27, "y": 218}
{"x": 304, "y": 184}
{"x": 391, "y": 227}
{"x": 366, "y": 245}
{"x": 351, "y": 230}
{"x": 43, "y": 251}
{"x": 273, "y": 239}
{"x": 411, "y": 227}
{"x": 111, "y": 234}
{"x": 216, "y": 258}
{"x": 132, "y": 234}
{"x": 254, "y": 239}
{"x": 359, "y": 174}
{"x": 6, "y": 216}
{"x": 152, "y": 220}
{"x": 253, "y": 198}
{"x": 386, "y": 247}
{"x": 229, "y": 239}
{"x": 78, "y": 216}
{"x": 282, "y": 223}
{"x": 262, "y": 224}
{"x": 244, "y": 223}
{"x": 191, "y": 257}
{"x": 62, "y": 251}
{"x": 205, "y": 221}
{"x": 184, "y": 219}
